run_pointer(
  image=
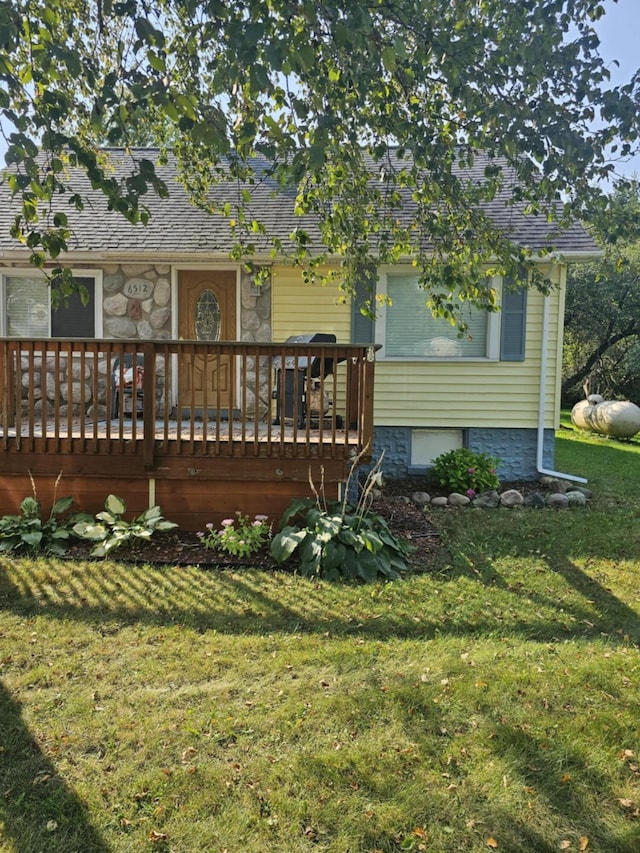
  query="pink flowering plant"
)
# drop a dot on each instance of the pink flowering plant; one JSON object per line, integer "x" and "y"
{"x": 241, "y": 536}
{"x": 465, "y": 472}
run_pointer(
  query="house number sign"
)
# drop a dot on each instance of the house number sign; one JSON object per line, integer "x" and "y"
{"x": 138, "y": 288}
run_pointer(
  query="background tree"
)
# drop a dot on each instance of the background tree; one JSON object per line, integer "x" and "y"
{"x": 602, "y": 319}
{"x": 319, "y": 91}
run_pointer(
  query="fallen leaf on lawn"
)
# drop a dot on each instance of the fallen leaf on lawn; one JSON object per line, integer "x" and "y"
{"x": 419, "y": 832}
{"x": 157, "y": 836}
{"x": 584, "y": 842}
{"x": 52, "y": 825}
{"x": 566, "y": 777}
{"x": 627, "y": 804}
{"x": 491, "y": 842}
{"x": 188, "y": 754}
{"x": 565, "y": 845}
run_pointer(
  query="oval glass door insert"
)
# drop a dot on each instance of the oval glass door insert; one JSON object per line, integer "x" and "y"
{"x": 207, "y": 319}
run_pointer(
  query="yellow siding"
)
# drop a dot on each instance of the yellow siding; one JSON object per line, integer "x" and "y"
{"x": 475, "y": 394}
{"x": 431, "y": 393}
{"x": 302, "y": 309}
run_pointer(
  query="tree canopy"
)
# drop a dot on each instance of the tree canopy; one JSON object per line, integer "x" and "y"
{"x": 602, "y": 317}
{"x": 320, "y": 91}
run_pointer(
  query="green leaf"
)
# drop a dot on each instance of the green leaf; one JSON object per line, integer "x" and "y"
{"x": 285, "y": 543}
{"x": 32, "y": 537}
{"x": 87, "y": 530}
{"x": 115, "y": 505}
{"x": 61, "y": 506}
{"x": 30, "y": 508}
{"x": 333, "y": 556}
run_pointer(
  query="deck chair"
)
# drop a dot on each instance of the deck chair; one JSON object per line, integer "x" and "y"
{"x": 125, "y": 377}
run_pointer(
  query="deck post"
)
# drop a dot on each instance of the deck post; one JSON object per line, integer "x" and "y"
{"x": 148, "y": 405}
{"x": 366, "y": 436}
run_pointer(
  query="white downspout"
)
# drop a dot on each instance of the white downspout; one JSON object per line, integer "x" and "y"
{"x": 541, "y": 404}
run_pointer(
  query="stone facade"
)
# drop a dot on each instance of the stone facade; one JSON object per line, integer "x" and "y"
{"x": 255, "y": 327}
{"x": 137, "y": 302}
{"x": 136, "y": 305}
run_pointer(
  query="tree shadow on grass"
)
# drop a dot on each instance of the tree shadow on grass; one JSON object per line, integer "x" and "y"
{"x": 612, "y": 617}
{"x": 257, "y": 602}
{"x": 533, "y": 765}
{"x": 39, "y": 811}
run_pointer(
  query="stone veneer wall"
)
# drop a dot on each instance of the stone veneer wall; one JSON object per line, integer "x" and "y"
{"x": 137, "y": 306}
{"x": 137, "y": 301}
{"x": 255, "y": 327}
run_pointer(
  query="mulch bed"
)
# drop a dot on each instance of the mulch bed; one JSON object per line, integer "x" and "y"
{"x": 184, "y": 548}
{"x": 405, "y": 519}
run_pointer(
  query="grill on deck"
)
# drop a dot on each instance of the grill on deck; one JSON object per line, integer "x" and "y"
{"x": 297, "y": 395}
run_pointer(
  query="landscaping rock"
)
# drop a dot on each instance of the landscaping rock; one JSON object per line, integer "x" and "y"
{"x": 583, "y": 490}
{"x": 558, "y": 500}
{"x": 535, "y": 501}
{"x": 421, "y": 498}
{"x": 576, "y": 498}
{"x": 556, "y": 486}
{"x": 511, "y": 498}
{"x": 456, "y": 499}
{"x": 487, "y": 500}
{"x": 440, "y": 501}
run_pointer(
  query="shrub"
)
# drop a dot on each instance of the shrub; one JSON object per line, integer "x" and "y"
{"x": 31, "y": 533}
{"x": 110, "y": 530}
{"x": 334, "y": 540}
{"x": 466, "y": 472}
{"x": 241, "y": 537}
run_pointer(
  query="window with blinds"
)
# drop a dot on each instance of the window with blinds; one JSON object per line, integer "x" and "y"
{"x": 29, "y": 314}
{"x": 412, "y": 331}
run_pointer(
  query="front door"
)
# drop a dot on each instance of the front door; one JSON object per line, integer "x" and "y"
{"x": 207, "y": 312}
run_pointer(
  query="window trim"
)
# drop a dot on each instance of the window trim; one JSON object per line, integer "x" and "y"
{"x": 24, "y": 272}
{"x": 493, "y": 326}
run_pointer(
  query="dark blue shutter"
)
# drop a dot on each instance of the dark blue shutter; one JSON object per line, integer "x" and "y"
{"x": 362, "y": 327}
{"x": 513, "y": 330}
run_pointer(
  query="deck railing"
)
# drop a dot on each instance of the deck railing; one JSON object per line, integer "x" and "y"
{"x": 185, "y": 398}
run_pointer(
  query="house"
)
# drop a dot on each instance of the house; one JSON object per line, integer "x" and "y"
{"x": 183, "y": 382}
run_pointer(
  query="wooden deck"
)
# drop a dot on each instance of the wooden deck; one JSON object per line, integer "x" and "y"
{"x": 201, "y": 450}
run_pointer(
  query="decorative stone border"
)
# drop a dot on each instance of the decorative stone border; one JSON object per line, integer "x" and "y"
{"x": 559, "y": 494}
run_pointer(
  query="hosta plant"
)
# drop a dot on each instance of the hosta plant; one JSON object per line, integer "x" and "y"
{"x": 110, "y": 530}
{"x": 465, "y": 471}
{"x": 29, "y": 532}
{"x": 334, "y": 540}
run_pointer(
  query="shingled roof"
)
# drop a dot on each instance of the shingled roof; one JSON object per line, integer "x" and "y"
{"x": 178, "y": 227}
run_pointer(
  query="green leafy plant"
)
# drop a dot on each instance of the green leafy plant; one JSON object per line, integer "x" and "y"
{"x": 110, "y": 530}
{"x": 240, "y": 537}
{"x": 333, "y": 539}
{"x": 466, "y": 472}
{"x": 32, "y": 533}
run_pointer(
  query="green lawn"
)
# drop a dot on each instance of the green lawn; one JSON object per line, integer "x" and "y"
{"x": 489, "y": 703}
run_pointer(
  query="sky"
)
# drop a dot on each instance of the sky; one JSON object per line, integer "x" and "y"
{"x": 618, "y": 30}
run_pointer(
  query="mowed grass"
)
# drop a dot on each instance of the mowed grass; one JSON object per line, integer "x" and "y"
{"x": 491, "y": 702}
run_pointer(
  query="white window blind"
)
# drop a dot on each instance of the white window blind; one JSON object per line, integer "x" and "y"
{"x": 30, "y": 315}
{"x": 412, "y": 331}
{"x": 27, "y": 302}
